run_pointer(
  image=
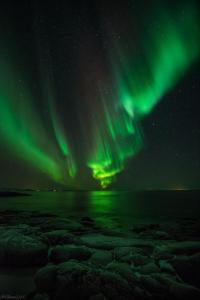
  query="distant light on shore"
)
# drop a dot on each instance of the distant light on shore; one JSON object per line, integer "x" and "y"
{"x": 180, "y": 189}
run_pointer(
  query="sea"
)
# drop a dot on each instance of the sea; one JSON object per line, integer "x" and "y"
{"x": 121, "y": 208}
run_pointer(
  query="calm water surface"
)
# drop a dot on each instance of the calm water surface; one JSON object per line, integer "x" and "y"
{"x": 125, "y": 208}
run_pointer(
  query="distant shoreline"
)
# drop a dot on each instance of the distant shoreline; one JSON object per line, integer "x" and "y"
{"x": 13, "y": 194}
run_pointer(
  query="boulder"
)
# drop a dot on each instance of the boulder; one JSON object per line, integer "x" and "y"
{"x": 101, "y": 241}
{"x": 82, "y": 282}
{"x": 152, "y": 285}
{"x": 101, "y": 258}
{"x": 17, "y": 249}
{"x": 182, "y": 291}
{"x": 87, "y": 221}
{"x": 162, "y": 253}
{"x": 124, "y": 270}
{"x": 178, "y": 248}
{"x": 187, "y": 267}
{"x": 176, "y": 288}
{"x": 63, "y": 253}
{"x": 165, "y": 266}
{"x": 114, "y": 232}
{"x": 59, "y": 237}
{"x": 61, "y": 223}
{"x": 149, "y": 268}
{"x": 114, "y": 286}
{"x": 45, "y": 278}
{"x": 140, "y": 228}
{"x": 161, "y": 235}
{"x": 71, "y": 267}
{"x": 120, "y": 252}
{"x": 75, "y": 280}
{"x": 136, "y": 259}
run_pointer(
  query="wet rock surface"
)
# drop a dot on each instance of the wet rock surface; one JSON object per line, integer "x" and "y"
{"x": 79, "y": 259}
{"x": 21, "y": 249}
{"x": 63, "y": 253}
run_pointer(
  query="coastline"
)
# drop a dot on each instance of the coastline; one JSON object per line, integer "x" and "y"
{"x": 83, "y": 260}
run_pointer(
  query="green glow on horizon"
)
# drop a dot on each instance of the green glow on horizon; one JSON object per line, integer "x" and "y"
{"x": 141, "y": 81}
{"x": 116, "y": 139}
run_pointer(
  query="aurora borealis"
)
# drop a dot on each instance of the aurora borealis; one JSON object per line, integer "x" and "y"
{"x": 79, "y": 82}
{"x": 142, "y": 80}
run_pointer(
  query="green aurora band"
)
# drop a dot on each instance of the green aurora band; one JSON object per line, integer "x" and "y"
{"x": 49, "y": 94}
{"x": 63, "y": 144}
{"x": 142, "y": 79}
{"x": 20, "y": 126}
{"x": 22, "y": 130}
{"x": 60, "y": 135}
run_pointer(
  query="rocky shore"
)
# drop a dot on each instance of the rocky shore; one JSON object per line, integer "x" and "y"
{"x": 80, "y": 259}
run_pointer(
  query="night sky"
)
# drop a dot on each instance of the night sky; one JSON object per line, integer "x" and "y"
{"x": 100, "y": 94}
